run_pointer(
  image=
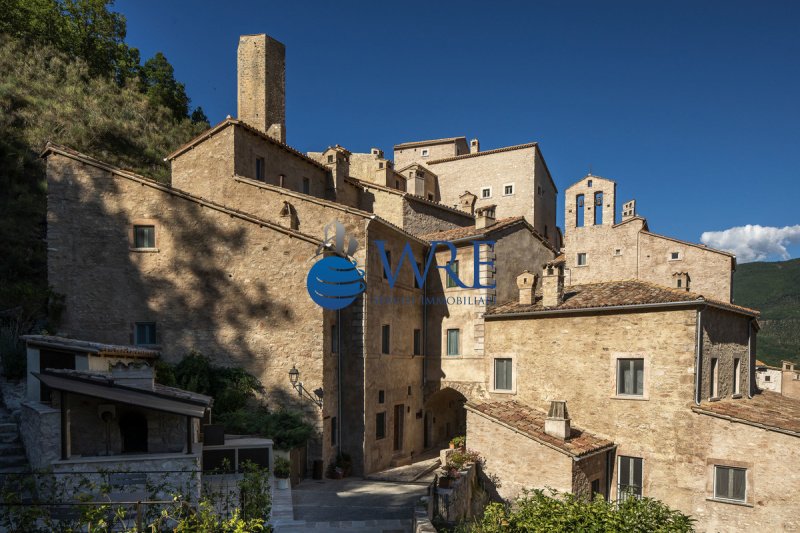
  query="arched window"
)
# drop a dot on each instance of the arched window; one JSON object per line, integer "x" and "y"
{"x": 579, "y": 211}
{"x": 598, "y": 208}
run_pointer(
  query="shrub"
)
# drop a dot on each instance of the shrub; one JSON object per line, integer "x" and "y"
{"x": 458, "y": 442}
{"x": 13, "y": 354}
{"x": 283, "y": 468}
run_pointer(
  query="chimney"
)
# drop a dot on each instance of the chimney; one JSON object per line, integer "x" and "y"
{"x": 262, "y": 84}
{"x": 681, "y": 280}
{"x": 484, "y": 216}
{"x": 467, "y": 202}
{"x": 557, "y": 422}
{"x": 474, "y": 146}
{"x": 553, "y": 284}
{"x": 135, "y": 375}
{"x": 526, "y": 283}
{"x": 628, "y": 210}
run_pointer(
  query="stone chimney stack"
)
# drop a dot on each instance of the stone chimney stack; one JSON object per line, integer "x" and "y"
{"x": 262, "y": 84}
{"x": 553, "y": 284}
{"x": 628, "y": 210}
{"x": 133, "y": 375}
{"x": 474, "y": 146}
{"x": 557, "y": 422}
{"x": 467, "y": 202}
{"x": 526, "y": 283}
{"x": 484, "y": 216}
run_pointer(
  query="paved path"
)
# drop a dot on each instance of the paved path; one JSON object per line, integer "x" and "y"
{"x": 422, "y": 470}
{"x": 351, "y": 504}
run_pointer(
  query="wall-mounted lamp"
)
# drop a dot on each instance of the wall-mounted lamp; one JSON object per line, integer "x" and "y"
{"x": 294, "y": 377}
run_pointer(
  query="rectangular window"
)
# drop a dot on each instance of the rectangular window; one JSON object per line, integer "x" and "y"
{"x": 388, "y": 262}
{"x": 737, "y": 374}
{"x": 582, "y": 259}
{"x": 380, "y": 426}
{"x": 330, "y": 159}
{"x": 381, "y": 396}
{"x": 333, "y": 431}
{"x": 539, "y": 190}
{"x": 425, "y": 152}
{"x": 680, "y": 282}
{"x": 260, "y": 171}
{"x": 630, "y": 377}
{"x": 454, "y": 268}
{"x": 713, "y": 386}
{"x": 417, "y": 342}
{"x": 386, "y": 332}
{"x": 334, "y": 338}
{"x": 145, "y": 333}
{"x": 675, "y": 255}
{"x": 430, "y": 197}
{"x": 306, "y": 186}
{"x": 508, "y": 190}
{"x": 730, "y": 483}
{"x": 502, "y": 374}
{"x": 629, "y": 477}
{"x": 453, "y": 347}
{"x": 486, "y": 192}
{"x": 144, "y": 236}
{"x": 419, "y": 269}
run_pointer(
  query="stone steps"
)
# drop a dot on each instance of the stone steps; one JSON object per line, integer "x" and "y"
{"x": 18, "y": 462}
{"x": 12, "y": 452}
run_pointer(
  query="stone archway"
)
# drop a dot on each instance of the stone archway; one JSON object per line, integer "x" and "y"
{"x": 445, "y": 417}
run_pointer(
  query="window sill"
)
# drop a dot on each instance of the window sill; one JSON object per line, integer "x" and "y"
{"x": 144, "y": 250}
{"x": 714, "y": 399}
{"x": 642, "y": 398}
{"x": 730, "y": 502}
{"x": 581, "y": 266}
{"x": 496, "y": 391}
{"x": 736, "y": 396}
{"x": 679, "y": 259}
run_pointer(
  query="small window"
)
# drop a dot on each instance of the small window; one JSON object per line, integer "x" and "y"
{"x": 454, "y": 268}
{"x": 453, "y": 347}
{"x": 386, "y": 332}
{"x": 333, "y": 431}
{"x": 630, "y": 377}
{"x": 425, "y": 152}
{"x": 617, "y": 251}
{"x": 380, "y": 165}
{"x": 582, "y": 259}
{"x": 388, "y": 262}
{"x": 767, "y": 378}
{"x": 334, "y": 338}
{"x": 674, "y": 256}
{"x": 417, "y": 342}
{"x": 714, "y": 385}
{"x": 306, "y": 186}
{"x": 589, "y": 183}
{"x": 629, "y": 478}
{"x": 502, "y": 374}
{"x": 144, "y": 236}
{"x": 416, "y": 282}
{"x": 508, "y": 190}
{"x": 430, "y": 197}
{"x": 281, "y": 181}
{"x": 145, "y": 333}
{"x": 396, "y": 184}
{"x": 486, "y": 192}
{"x": 381, "y": 396}
{"x": 260, "y": 171}
{"x": 546, "y": 236}
{"x": 380, "y": 426}
{"x": 330, "y": 159}
{"x": 730, "y": 483}
{"x": 680, "y": 282}
{"x": 737, "y": 374}
{"x": 539, "y": 190}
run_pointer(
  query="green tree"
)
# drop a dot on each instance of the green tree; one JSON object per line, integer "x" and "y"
{"x": 198, "y": 116}
{"x": 162, "y": 88}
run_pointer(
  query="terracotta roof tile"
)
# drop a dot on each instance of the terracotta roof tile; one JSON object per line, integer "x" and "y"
{"x": 615, "y": 294}
{"x": 766, "y": 409}
{"x": 95, "y": 348}
{"x": 470, "y": 231}
{"x": 530, "y": 422}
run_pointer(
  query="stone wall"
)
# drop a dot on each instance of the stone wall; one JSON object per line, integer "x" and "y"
{"x": 405, "y": 156}
{"x": 261, "y": 82}
{"x": 420, "y": 218}
{"x": 611, "y": 252}
{"x": 40, "y": 430}
{"x": 725, "y": 338}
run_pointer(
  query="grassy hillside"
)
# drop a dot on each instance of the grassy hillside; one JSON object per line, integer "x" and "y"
{"x": 774, "y": 289}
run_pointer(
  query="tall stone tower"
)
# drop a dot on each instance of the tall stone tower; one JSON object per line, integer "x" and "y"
{"x": 262, "y": 84}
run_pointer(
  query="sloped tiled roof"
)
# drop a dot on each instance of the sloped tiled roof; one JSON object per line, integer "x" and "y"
{"x": 530, "y": 422}
{"x": 412, "y": 144}
{"x": 94, "y": 348}
{"x": 478, "y": 154}
{"x": 615, "y": 294}
{"x": 471, "y": 231}
{"x": 767, "y": 409}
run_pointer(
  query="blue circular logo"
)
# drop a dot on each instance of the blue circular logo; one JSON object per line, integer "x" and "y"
{"x": 335, "y": 282}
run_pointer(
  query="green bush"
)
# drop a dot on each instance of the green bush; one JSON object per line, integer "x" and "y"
{"x": 13, "y": 354}
{"x": 555, "y": 512}
{"x": 283, "y": 468}
{"x": 287, "y": 429}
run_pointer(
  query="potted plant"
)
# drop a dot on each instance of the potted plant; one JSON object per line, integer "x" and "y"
{"x": 282, "y": 471}
{"x": 458, "y": 442}
{"x": 449, "y": 475}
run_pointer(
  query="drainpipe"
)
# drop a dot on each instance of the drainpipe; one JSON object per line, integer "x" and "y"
{"x": 698, "y": 355}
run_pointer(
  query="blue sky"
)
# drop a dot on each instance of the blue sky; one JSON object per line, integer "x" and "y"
{"x": 692, "y": 107}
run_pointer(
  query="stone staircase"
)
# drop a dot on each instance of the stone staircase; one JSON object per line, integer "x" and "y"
{"x": 12, "y": 453}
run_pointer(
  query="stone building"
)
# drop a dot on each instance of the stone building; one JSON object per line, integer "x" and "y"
{"x": 768, "y": 377}
{"x": 598, "y": 248}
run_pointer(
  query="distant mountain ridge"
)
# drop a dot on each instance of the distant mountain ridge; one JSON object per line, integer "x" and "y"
{"x": 774, "y": 289}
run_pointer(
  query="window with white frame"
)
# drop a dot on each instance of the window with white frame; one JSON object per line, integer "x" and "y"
{"x": 674, "y": 256}
{"x": 425, "y": 152}
{"x": 453, "y": 342}
{"x": 486, "y": 192}
{"x": 730, "y": 483}
{"x": 503, "y": 374}
{"x": 629, "y": 478}
{"x": 508, "y": 189}
{"x": 630, "y": 377}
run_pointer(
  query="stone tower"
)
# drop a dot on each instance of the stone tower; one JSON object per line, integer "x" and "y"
{"x": 262, "y": 84}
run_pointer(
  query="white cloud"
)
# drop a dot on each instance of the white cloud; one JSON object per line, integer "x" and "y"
{"x": 754, "y": 242}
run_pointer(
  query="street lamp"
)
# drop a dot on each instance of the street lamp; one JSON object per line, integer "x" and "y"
{"x": 294, "y": 379}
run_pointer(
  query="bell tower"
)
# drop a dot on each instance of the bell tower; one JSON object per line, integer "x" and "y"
{"x": 261, "y": 78}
